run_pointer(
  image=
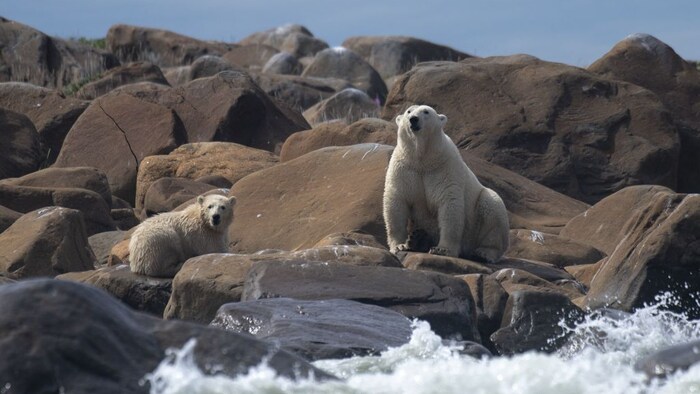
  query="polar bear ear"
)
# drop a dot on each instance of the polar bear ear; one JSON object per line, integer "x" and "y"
{"x": 443, "y": 119}
{"x": 398, "y": 119}
{"x": 200, "y": 200}
{"x": 232, "y": 200}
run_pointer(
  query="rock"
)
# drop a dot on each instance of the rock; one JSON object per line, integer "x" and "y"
{"x": 549, "y": 248}
{"x": 122, "y": 75}
{"x": 95, "y": 211}
{"x": 317, "y": 329}
{"x": 115, "y": 133}
{"x": 299, "y": 93}
{"x": 209, "y": 65}
{"x": 87, "y": 178}
{"x": 177, "y": 76}
{"x": 644, "y": 60}
{"x": 161, "y": 47}
{"x": 302, "y": 45}
{"x": 350, "y": 105}
{"x": 124, "y": 218}
{"x": 206, "y": 282}
{"x": 394, "y": 55}
{"x": 443, "y": 264}
{"x": 343, "y": 63}
{"x": 351, "y": 238}
{"x": 513, "y": 280}
{"x": 102, "y": 244}
{"x": 584, "y": 273}
{"x": 561, "y": 126}
{"x": 338, "y": 133}
{"x": 295, "y": 204}
{"x": 490, "y": 299}
{"x": 29, "y": 55}
{"x": 108, "y": 348}
{"x": 532, "y": 322}
{"x": 166, "y": 194}
{"x": 602, "y": 226}
{"x": 275, "y": 37}
{"x": 20, "y": 149}
{"x": 51, "y": 112}
{"x": 250, "y": 57}
{"x": 192, "y": 161}
{"x": 283, "y": 63}
{"x": 141, "y": 293}
{"x": 545, "y": 271}
{"x": 441, "y": 300}
{"x": 667, "y": 361}
{"x": 659, "y": 253}
{"x": 7, "y": 217}
{"x": 215, "y": 180}
{"x": 46, "y": 242}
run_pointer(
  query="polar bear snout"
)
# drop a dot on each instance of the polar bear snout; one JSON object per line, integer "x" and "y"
{"x": 216, "y": 219}
{"x": 415, "y": 123}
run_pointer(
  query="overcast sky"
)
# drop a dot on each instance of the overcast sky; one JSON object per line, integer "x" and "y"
{"x": 570, "y": 31}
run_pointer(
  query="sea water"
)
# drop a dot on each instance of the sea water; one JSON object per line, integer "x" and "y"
{"x": 599, "y": 358}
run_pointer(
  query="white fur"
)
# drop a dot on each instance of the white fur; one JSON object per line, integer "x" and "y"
{"x": 428, "y": 186}
{"x": 161, "y": 244}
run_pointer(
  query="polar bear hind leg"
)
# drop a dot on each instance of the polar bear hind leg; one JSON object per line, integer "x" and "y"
{"x": 156, "y": 254}
{"x": 492, "y": 227}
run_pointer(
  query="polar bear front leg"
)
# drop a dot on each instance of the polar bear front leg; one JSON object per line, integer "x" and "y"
{"x": 396, "y": 215}
{"x": 451, "y": 222}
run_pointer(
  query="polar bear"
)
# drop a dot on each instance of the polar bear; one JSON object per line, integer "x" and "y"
{"x": 161, "y": 244}
{"x": 429, "y": 190}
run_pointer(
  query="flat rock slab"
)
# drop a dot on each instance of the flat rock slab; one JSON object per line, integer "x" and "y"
{"x": 317, "y": 329}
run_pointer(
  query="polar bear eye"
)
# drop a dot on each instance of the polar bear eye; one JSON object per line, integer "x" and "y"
{"x": 425, "y": 111}
{"x": 223, "y": 208}
{"x": 211, "y": 206}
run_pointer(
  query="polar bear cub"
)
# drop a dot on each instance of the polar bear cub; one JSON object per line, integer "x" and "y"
{"x": 430, "y": 190}
{"x": 161, "y": 244}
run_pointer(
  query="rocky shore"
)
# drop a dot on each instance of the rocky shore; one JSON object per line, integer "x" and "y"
{"x": 598, "y": 168}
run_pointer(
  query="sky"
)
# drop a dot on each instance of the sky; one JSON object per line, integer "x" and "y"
{"x": 575, "y": 32}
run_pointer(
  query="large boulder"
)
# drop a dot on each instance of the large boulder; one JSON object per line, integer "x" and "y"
{"x": 7, "y": 217}
{"x": 299, "y": 93}
{"x": 317, "y": 329}
{"x": 276, "y": 36}
{"x": 28, "y": 55}
{"x": 644, "y": 60}
{"x": 343, "y": 63}
{"x": 490, "y": 299}
{"x": 349, "y": 105}
{"x": 250, "y": 57}
{"x": 441, "y": 300}
{"x": 207, "y": 66}
{"x": 122, "y": 75}
{"x": 339, "y": 133}
{"x": 166, "y": 194}
{"x": 394, "y": 55}
{"x": 115, "y": 133}
{"x": 659, "y": 253}
{"x": 161, "y": 47}
{"x": 51, "y": 112}
{"x": 46, "y": 242}
{"x": 95, "y": 210}
{"x": 283, "y": 63}
{"x": 206, "y": 282}
{"x": 20, "y": 146}
{"x": 550, "y": 248}
{"x": 566, "y": 128}
{"x": 63, "y": 336}
{"x": 141, "y": 293}
{"x": 193, "y": 161}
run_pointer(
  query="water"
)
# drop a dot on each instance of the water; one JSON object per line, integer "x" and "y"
{"x": 599, "y": 358}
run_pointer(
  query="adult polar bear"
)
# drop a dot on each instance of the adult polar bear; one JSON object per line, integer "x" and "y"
{"x": 429, "y": 187}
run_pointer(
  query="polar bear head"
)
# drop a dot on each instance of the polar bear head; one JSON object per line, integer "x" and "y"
{"x": 217, "y": 211}
{"x": 421, "y": 119}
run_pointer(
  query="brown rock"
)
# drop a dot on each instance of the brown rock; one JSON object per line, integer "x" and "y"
{"x": 338, "y": 133}
{"x": 584, "y": 273}
{"x": 602, "y": 226}
{"x": 46, "y": 242}
{"x": 345, "y": 64}
{"x": 52, "y": 113}
{"x": 513, "y": 280}
{"x": 119, "y": 253}
{"x": 251, "y": 57}
{"x": 643, "y": 60}
{"x": 561, "y": 126}
{"x": 209, "y": 65}
{"x": 115, "y": 134}
{"x": 24, "y": 199}
{"x": 283, "y": 63}
{"x": 122, "y": 75}
{"x": 29, "y": 55}
{"x": 7, "y": 217}
{"x": 394, "y": 55}
{"x": 349, "y": 105}
{"x": 161, "y": 47}
{"x": 542, "y": 270}
{"x": 299, "y": 93}
{"x": 549, "y": 248}
{"x": 295, "y": 204}
{"x": 20, "y": 146}
{"x": 177, "y": 76}
{"x": 490, "y": 299}
{"x": 192, "y": 161}
{"x": 301, "y": 45}
{"x": 275, "y": 37}
{"x": 102, "y": 244}
{"x": 142, "y": 293}
{"x": 166, "y": 194}
{"x": 350, "y": 238}
{"x": 444, "y": 264}
{"x": 660, "y": 253}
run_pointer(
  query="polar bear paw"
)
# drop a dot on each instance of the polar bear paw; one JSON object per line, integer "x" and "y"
{"x": 440, "y": 251}
{"x": 400, "y": 248}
